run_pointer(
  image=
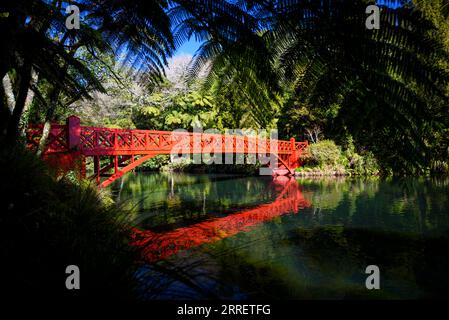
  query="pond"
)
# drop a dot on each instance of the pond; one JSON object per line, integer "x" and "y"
{"x": 234, "y": 237}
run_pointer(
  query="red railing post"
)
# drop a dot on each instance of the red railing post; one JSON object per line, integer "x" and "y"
{"x": 292, "y": 144}
{"x": 78, "y": 161}
{"x": 292, "y": 159}
{"x": 73, "y": 132}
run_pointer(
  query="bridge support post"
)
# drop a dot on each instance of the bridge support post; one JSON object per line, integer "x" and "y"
{"x": 97, "y": 168}
{"x": 115, "y": 164}
{"x": 83, "y": 167}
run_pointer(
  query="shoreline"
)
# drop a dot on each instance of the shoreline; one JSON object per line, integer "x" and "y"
{"x": 322, "y": 174}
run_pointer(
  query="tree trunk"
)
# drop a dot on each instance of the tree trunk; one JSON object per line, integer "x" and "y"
{"x": 9, "y": 94}
{"x": 5, "y": 112}
{"x": 54, "y": 98}
{"x": 28, "y": 102}
{"x": 4, "y": 115}
{"x": 12, "y": 134}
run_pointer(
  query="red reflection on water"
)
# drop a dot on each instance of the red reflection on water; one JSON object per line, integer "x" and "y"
{"x": 157, "y": 246}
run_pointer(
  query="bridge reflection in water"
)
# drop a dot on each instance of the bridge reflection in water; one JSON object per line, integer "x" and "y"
{"x": 157, "y": 246}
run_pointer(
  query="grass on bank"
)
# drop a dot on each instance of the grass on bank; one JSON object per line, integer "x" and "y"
{"x": 47, "y": 224}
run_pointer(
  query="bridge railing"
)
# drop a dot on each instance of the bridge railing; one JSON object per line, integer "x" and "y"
{"x": 103, "y": 141}
{"x": 100, "y": 139}
{"x": 301, "y": 146}
{"x": 57, "y": 138}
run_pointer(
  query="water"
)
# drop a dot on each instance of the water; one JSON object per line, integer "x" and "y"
{"x": 221, "y": 236}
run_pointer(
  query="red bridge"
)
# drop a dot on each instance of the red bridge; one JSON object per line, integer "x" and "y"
{"x": 70, "y": 144}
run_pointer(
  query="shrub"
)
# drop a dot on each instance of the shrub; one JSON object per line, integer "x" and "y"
{"x": 328, "y": 158}
{"x": 439, "y": 167}
{"x": 370, "y": 164}
{"x": 323, "y": 154}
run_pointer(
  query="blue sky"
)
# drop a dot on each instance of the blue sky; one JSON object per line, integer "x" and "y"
{"x": 188, "y": 48}
{"x": 386, "y": 2}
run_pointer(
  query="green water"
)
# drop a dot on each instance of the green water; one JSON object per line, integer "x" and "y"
{"x": 319, "y": 250}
